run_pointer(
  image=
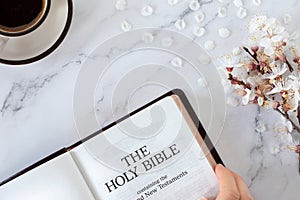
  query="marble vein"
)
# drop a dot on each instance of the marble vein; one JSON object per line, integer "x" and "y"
{"x": 257, "y": 152}
{"x": 22, "y": 92}
{"x": 81, "y": 58}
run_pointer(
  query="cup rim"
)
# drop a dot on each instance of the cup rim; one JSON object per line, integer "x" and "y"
{"x": 20, "y": 30}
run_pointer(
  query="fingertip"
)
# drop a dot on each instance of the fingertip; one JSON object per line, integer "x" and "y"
{"x": 219, "y": 168}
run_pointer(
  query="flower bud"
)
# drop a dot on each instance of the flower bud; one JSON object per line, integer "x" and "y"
{"x": 255, "y": 49}
{"x": 298, "y": 148}
{"x": 229, "y": 69}
{"x": 296, "y": 59}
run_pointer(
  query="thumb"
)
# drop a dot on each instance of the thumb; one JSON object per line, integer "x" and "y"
{"x": 228, "y": 186}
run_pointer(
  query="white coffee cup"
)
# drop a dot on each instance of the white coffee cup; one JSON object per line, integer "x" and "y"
{"x": 20, "y": 17}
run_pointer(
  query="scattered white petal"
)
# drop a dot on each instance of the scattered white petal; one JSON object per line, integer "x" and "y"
{"x": 242, "y": 12}
{"x": 289, "y": 127}
{"x": 294, "y": 36}
{"x": 256, "y": 2}
{"x": 202, "y": 82}
{"x": 261, "y": 128}
{"x": 223, "y": 1}
{"x": 277, "y": 38}
{"x": 278, "y": 30}
{"x": 147, "y": 11}
{"x": 177, "y": 62}
{"x": 180, "y": 24}
{"x": 238, "y": 3}
{"x": 121, "y": 5}
{"x": 274, "y": 149}
{"x": 167, "y": 42}
{"x": 224, "y": 32}
{"x": 204, "y": 59}
{"x": 236, "y": 51}
{"x": 199, "y": 17}
{"x": 194, "y": 5}
{"x": 173, "y": 2}
{"x": 148, "y": 38}
{"x": 222, "y": 12}
{"x": 287, "y": 19}
{"x": 209, "y": 45}
{"x": 199, "y": 31}
{"x": 232, "y": 101}
{"x": 126, "y": 26}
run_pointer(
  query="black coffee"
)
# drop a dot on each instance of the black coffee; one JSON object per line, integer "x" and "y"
{"x": 15, "y": 13}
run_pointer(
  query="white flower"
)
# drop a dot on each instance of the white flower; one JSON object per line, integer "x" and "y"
{"x": 257, "y": 23}
{"x": 267, "y": 32}
{"x": 254, "y": 80}
{"x": 230, "y": 61}
{"x": 283, "y": 126}
{"x": 246, "y": 97}
{"x": 276, "y": 71}
{"x": 278, "y": 87}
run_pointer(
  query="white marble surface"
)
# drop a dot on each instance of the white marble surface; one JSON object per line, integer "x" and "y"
{"x": 36, "y": 100}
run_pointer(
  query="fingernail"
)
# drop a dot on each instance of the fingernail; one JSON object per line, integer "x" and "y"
{"x": 219, "y": 166}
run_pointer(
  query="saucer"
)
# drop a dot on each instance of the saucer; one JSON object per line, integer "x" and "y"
{"x": 42, "y": 41}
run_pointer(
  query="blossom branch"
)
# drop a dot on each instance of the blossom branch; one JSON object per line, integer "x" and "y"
{"x": 286, "y": 115}
{"x": 254, "y": 55}
{"x": 265, "y": 76}
{"x": 235, "y": 81}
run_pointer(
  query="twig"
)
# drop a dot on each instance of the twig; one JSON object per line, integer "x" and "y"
{"x": 288, "y": 118}
{"x": 289, "y": 65}
{"x": 253, "y": 56}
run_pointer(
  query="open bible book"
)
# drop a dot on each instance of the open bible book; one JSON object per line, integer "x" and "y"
{"x": 159, "y": 151}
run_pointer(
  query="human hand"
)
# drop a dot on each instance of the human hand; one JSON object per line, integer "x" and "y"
{"x": 232, "y": 186}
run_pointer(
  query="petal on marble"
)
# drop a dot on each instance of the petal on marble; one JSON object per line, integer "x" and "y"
{"x": 148, "y": 38}
{"x": 167, "y": 41}
{"x": 287, "y": 19}
{"x": 173, "y": 2}
{"x": 177, "y": 62}
{"x": 242, "y": 12}
{"x": 222, "y": 12}
{"x": 126, "y": 26}
{"x": 256, "y": 2}
{"x": 224, "y": 32}
{"x": 209, "y": 45}
{"x": 147, "y": 11}
{"x": 194, "y": 5}
{"x": 199, "y": 31}
{"x": 199, "y": 17}
{"x": 238, "y": 3}
{"x": 180, "y": 24}
{"x": 121, "y": 5}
